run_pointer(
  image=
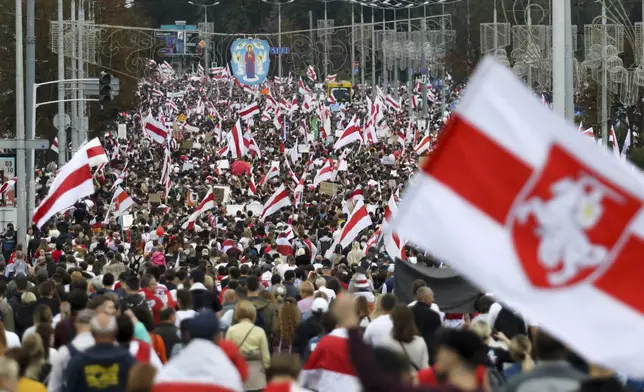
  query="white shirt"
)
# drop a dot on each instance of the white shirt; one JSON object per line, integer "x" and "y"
{"x": 282, "y": 268}
{"x": 13, "y": 341}
{"x": 378, "y": 329}
{"x": 183, "y": 315}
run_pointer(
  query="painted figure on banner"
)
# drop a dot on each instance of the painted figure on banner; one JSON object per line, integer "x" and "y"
{"x": 250, "y": 60}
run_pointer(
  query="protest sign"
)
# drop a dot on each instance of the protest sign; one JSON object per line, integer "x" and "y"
{"x": 328, "y": 188}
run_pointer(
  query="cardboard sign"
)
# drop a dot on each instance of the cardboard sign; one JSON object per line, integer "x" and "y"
{"x": 221, "y": 194}
{"x": 328, "y": 188}
{"x": 122, "y": 131}
{"x": 186, "y": 144}
{"x": 303, "y": 148}
{"x": 392, "y": 184}
{"x": 223, "y": 164}
{"x": 155, "y": 198}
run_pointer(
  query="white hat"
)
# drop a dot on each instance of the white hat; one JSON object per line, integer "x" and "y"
{"x": 320, "y": 305}
{"x": 361, "y": 281}
{"x": 300, "y": 252}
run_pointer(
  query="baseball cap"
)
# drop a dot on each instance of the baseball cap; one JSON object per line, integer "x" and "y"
{"x": 319, "y": 305}
{"x": 204, "y": 325}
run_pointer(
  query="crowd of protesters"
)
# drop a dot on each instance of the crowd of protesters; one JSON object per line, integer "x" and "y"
{"x": 97, "y": 302}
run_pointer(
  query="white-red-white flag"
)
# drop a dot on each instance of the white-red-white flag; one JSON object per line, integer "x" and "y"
{"x": 559, "y": 221}
{"x": 394, "y": 246}
{"x": 121, "y": 201}
{"x": 392, "y": 103}
{"x": 54, "y": 145}
{"x": 310, "y": 73}
{"x": 357, "y": 221}
{"x": 273, "y": 171}
{"x": 73, "y": 182}
{"x": 7, "y": 186}
{"x": 236, "y": 141}
{"x": 155, "y": 130}
{"x": 350, "y": 134}
{"x": 277, "y": 201}
{"x": 207, "y": 204}
{"x": 356, "y": 195}
{"x": 252, "y": 187}
{"x": 247, "y": 112}
{"x": 423, "y": 145}
{"x": 331, "y": 78}
{"x": 251, "y": 144}
{"x": 325, "y": 173}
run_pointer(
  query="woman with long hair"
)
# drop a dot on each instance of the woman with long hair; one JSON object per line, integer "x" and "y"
{"x": 288, "y": 320}
{"x": 405, "y": 339}
{"x": 41, "y": 315}
{"x": 362, "y": 310}
{"x": 30, "y": 358}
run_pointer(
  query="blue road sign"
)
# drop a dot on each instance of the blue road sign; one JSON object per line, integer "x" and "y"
{"x": 356, "y": 71}
{"x": 279, "y": 50}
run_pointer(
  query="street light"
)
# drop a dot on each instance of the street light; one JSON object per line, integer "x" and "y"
{"x": 205, "y": 16}
{"x": 279, "y": 29}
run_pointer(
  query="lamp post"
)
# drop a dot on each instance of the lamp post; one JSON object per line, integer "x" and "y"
{"x": 279, "y": 4}
{"x": 206, "y": 66}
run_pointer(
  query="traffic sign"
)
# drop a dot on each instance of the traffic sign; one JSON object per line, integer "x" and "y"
{"x": 67, "y": 121}
{"x": 279, "y": 50}
{"x": 202, "y": 43}
{"x": 356, "y": 71}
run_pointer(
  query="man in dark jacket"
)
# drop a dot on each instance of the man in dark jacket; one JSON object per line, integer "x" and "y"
{"x": 289, "y": 284}
{"x": 201, "y": 296}
{"x": 167, "y": 330}
{"x": 132, "y": 299}
{"x": 103, "y": 367}
{"x": 427, "y": 320}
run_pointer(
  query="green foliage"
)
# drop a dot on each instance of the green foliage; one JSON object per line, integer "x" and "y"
{"x": 636, "y": 156}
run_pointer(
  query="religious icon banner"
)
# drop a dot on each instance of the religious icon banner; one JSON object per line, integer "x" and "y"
{"x": 250, "y": 60}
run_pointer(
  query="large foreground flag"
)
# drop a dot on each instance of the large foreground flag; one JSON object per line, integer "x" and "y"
{"x": 558, "y": 221}
{"x": 350, "y": 134}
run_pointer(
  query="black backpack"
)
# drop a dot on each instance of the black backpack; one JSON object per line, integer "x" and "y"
{"x": 495, "y": 380}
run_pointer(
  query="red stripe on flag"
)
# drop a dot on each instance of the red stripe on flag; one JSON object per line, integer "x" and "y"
{"x": 73, "y": 180}
{"x": 237, "y": 142}
{"x": 623, "y": 279}
{"x": 355, "y": 218}
{"x": 477, "y": 169}
{"x": 95, "y": 151}
{"x": 156, "y": 130}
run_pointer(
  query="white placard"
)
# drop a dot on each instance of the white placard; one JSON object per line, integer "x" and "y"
{"x": 372, "y": 208}
{"x": 231, "y": 209}
{"x": 191, "y": 129}
{"x": 128, "y": 219}
{"x": 303, "y": 148}
{"x": 256, "y": 207}
{"x": 122, "y": 131}
{"x": 187, "y": 166}
{"x": 223, "y": 164}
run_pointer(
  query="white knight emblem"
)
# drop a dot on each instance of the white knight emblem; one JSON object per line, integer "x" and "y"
{"x": 562, "y": 225}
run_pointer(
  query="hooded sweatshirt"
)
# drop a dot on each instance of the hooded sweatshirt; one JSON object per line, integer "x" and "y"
{"x": 266, "y": 315}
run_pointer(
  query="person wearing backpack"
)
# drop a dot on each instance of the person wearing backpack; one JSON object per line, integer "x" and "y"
{"x": 103, "y": 367}
{"x": 266, "y": 311}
